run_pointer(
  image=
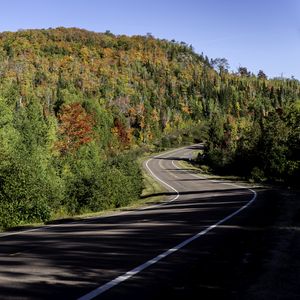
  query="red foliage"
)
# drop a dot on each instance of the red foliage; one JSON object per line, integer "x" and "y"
{"x": 76, "y": 128}
{"x": 122, "y": 133}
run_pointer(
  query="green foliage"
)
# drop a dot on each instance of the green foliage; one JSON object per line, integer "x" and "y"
{"x": 93, "y": 184}
{"x": 29, "y": 185}
{"x": 119, "y": 183}
{"x": 266, "y": 149}
{"x": 257, "y": 174}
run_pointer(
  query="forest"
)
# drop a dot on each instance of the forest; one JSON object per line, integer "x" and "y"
{"x": 77, "y": 108}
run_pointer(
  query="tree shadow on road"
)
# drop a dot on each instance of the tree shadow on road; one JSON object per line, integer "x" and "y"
{"x": 68, "y": 261}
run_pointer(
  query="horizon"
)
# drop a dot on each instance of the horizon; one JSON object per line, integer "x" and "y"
{"x": 260, "y": 36}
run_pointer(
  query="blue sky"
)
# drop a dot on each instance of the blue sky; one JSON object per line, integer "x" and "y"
{"x": 257, "y": 34}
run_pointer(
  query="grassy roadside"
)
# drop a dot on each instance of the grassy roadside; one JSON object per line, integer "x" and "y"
{"x": 196, "y": 170}
{"x": 151, "y": 186}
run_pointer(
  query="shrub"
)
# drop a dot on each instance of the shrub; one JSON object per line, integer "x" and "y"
{"x": 257, "y": 174}
{"x": 119, "y": 182}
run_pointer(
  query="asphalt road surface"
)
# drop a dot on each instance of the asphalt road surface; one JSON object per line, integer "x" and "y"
{"x": 138, "y": 254}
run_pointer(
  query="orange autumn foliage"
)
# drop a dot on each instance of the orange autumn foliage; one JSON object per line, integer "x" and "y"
{"x": 75, "y": 129}
{"x": 124, "y": 135}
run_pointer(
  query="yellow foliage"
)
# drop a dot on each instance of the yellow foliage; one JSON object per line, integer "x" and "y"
{"x": 154, "y": 115}
{"x": 185, "y": 108}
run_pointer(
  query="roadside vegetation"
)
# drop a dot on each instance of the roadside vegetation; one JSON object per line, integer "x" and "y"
{"x": 78, "y": 108}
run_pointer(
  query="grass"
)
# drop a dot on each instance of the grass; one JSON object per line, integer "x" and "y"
{"x": 151, "y": 187}
{"x": 203, "y": 171}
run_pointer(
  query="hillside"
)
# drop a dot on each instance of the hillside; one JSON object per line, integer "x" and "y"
{"x": 144, "y": 82}
{"x": 76, "y": 104}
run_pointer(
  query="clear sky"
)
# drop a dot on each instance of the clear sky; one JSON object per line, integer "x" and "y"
{"x": 258, "y": 34}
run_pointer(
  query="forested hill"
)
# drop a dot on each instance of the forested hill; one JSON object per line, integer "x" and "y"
{"x": 72, "y": 101}
{"x": 143, "y": 78}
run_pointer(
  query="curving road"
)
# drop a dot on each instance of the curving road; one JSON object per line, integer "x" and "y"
{"x": 140, "y": 254}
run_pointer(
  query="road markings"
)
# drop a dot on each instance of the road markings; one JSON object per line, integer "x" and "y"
{"x": 101, "y": 289}
{"x": 160, "y": 180}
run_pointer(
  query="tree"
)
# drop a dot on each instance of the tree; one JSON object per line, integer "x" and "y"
{"x": 122, "y": 133}
{"x": 30, "y": 188}
{"x": 261, "y": 75}
{"x": 75, "y": 128}
{"x": 272, "y": 147}
{"x": 243, "y": 71}
{"x": 220, "y": 64}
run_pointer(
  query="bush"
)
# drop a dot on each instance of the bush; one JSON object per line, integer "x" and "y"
{"x": 9, "y": 215}
{"x": 119, "y": 183}
{"x": 29, "y": 190}
{"x": 93, "y": 184}
{"x": 19, "y": 212}
{"x": 257, "y": 174}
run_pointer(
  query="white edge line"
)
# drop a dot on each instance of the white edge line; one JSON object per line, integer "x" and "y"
{"x": 101, "y": 289}
{"x": 163, "y": 182}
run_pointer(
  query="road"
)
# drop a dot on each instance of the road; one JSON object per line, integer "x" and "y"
{"x": 137, "y": 254}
